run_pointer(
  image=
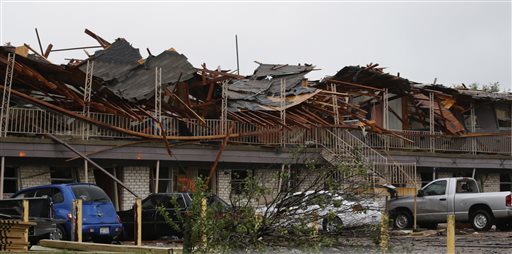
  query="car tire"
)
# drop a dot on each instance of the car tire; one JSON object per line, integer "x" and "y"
{"x": 58, "y": 234}
{"x": 402, "y": 220}
{"x": 332, "y": 225}
{"x": 481, "y": 220}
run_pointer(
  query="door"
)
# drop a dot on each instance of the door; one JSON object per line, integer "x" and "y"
{"x": 433, "y": 206}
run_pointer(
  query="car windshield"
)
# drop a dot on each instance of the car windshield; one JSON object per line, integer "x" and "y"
{"x": 90, "y": 193}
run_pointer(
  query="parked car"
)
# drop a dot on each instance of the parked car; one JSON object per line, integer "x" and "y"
{"x": 153, "y": 224}
{"x": 459, "y": 196}
{"x": 40, "y": 212}
{"x": 100, "y": 222}
{"x": 326, "y": 211}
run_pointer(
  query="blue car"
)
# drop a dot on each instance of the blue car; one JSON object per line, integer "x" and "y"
{"x": 100, "y": 222}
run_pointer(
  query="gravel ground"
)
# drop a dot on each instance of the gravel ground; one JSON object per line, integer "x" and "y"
{"x": 430, "y": 241}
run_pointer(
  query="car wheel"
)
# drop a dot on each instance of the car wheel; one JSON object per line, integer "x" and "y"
{"x": 58, "y": 234}
{"x": 481, "y": 220}
{"x": 332, "y": 225}
{"x": 403, "y": 220}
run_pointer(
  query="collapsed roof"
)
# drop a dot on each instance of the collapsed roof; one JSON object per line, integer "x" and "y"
{"x": 124, "y": 84}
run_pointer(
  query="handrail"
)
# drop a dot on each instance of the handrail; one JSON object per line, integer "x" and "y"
{"x": 35, "y": 120}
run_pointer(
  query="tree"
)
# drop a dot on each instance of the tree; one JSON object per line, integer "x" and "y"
{"x": 302, "y": 201}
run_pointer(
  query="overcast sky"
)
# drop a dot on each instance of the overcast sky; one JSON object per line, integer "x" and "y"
{"x": 457, "y": 42}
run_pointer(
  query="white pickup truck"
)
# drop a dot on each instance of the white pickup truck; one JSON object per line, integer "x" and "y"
{"x": 459, "y": 196}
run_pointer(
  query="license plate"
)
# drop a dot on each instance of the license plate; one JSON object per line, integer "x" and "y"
{"x": 104, "y": 231}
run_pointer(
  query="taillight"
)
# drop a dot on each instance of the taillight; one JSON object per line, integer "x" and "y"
{"x": 508, "y": 200}
{"x": 70, "y": 216}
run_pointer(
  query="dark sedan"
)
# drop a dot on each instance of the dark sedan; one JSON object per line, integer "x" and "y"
{"x": 153, "y": 224}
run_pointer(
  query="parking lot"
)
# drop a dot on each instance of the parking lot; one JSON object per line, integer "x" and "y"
{"x": 467, "y": 241}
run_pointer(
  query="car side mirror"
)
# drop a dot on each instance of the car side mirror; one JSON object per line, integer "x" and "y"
{"x": 420, "y": 193}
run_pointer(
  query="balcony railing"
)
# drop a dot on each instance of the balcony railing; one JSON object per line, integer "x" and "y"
{"x": 23, "y": 121}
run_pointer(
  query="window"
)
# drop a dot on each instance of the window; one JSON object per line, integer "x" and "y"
{"x": 505, "y": 182}
{"x": 11, "y": 180}
{"x": 466, "y": 186}
{"x": 239, "y": 180}
{"x": 63, "y": 175}
{"x": 165, "y": 183}
{"x": 53, "y": 193}
{"x": 503, "y": 115}
{"x": 436, "y": 188}
{"x": 90, "y": 193}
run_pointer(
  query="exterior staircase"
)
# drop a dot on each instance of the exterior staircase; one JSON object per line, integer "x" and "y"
{"x": 341, "y": 146}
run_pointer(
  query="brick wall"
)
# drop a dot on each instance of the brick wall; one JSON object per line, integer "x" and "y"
{"x": 137, "y": 179}
{"x": 81, "y": 175}
{"x": 34, "y": 176}
{"x": 224, "y": 184}
{"x": 269, "y": 178}
{"x": 443, "y": 174}
{"x": 490, "y": 182}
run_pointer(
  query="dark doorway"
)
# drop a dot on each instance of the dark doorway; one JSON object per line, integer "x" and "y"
{"x": 108, "y": 184}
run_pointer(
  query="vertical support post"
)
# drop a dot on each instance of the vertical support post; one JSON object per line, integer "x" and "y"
{"x": 116, "y": 191}
{"x": 79, "y": 219}
{"x": 282, "y": 105}
{"x": 6, "y": 95}
{"x": 138, "y": 221}
{"x": 2, "y": 174}
{"x": 25, "y": 218}
{"x": 224, "y": 108}
{"x": 157, "y": 176}
{"x": 431, "y": 121}
{"x": 415, "y": 204}
{"x": 172, "y": 179}
{"x": 86, "y": 111}
{"x": 158, "y": 100}
{"x": 86, "y": 171}
{"x": 73, "y": 221}
{"x": 450, "y": 235}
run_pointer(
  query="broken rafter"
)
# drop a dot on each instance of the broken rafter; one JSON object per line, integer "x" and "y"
{"x": 107, "y": 126}
{"x": 354, "y": 84}
{"x": 104, "y": 43}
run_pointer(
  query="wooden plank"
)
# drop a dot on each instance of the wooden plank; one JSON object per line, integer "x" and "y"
{"x": 217, "y": 158}
{"x": 104, "y": 43}
{"x": 138, "y": 221}
{"x": 87, "y": 246}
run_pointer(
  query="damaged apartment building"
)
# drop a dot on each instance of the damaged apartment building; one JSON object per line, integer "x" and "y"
{"x": 142, "y": 125}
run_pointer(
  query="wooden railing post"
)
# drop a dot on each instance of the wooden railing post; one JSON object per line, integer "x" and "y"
{"x": 25, "y": 219}
{"x": 138, "y": 221}
{"x": 450, "y": 235}
{"x": 79, "y": 203}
